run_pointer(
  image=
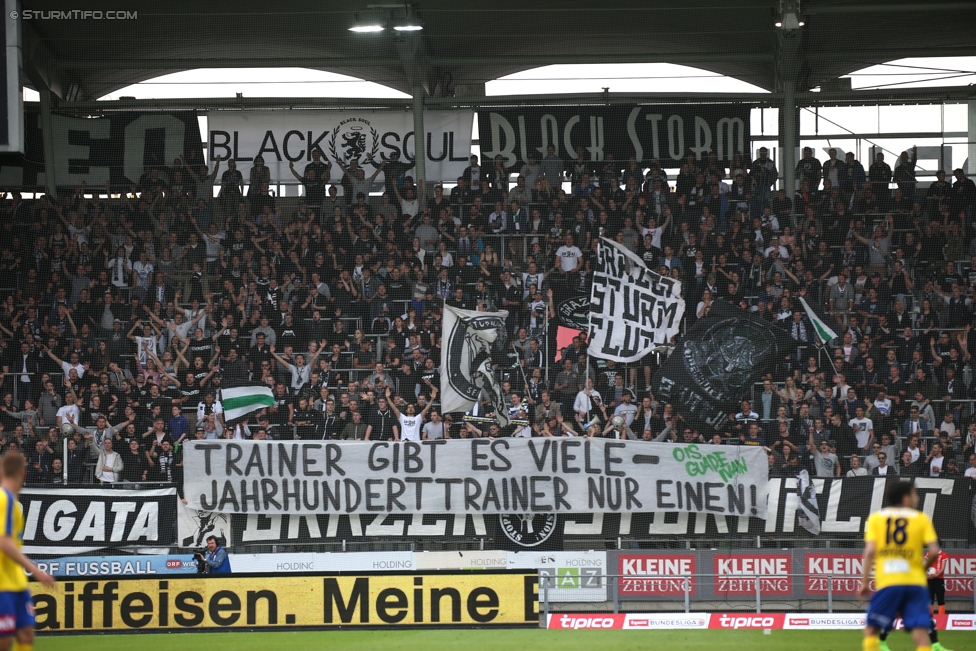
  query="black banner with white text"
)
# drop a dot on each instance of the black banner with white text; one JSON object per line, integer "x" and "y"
{"x": 665, "y": 132}
{"x": 62, "y": 521}
{"x": 115, "y": 148}
{"x": 845, "y": 505}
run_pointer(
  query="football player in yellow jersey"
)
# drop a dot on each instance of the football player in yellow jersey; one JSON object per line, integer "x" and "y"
{"x": 896, "y": 539}
{"x": 16, "y": 606}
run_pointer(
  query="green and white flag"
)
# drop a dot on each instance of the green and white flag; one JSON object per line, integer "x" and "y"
{"x": 243, "y": 400}
{"x": 824, "y": 331}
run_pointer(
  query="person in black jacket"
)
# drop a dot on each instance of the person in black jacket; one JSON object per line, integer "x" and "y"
{"x": 76, "y": 462}
{"x": 909, "y": 468}
{"x": 134, "y": 465}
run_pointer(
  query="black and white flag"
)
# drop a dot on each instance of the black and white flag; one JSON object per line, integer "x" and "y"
{"x": 808, "y": 515}
{"x": 632, "y": 309}
{"x": 716, "y": 363}
{"x": 194, "y": 527}
{"x": 469, "y": 340}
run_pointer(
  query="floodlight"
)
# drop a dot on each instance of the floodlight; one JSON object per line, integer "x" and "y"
{"x": 368, "y": 22}
{"x": 409, "y": 23}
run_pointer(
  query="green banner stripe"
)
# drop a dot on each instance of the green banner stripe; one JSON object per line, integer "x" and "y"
{"x": 248, "y": 400}
{"x": 824, "y": 333}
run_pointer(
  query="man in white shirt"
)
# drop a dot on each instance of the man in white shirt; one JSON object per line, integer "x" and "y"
{"x": 913, "y": 448}
{"x": 971, "y": 470}
{"x": 66, "y": 367}
{"x": 70, "y": 412}
{"x": 863, "y": 430}
{"x": 411, "y": 422}
{"x": 570, "y": 262}
{"x": 141, "y": 273}
{"x": 570, "y": 257}
{"x": 656, "y": 231}
{"x": 586, "y": 400}
{"x": 936, "y": 460}
{"x": 882, "y": 403}
{"x": 108, "y": 468}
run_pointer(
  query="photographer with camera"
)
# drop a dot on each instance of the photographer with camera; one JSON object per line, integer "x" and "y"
{"x": 215, "y": 561}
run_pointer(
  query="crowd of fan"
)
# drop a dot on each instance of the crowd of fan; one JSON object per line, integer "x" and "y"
{"x": 124, "y": 315}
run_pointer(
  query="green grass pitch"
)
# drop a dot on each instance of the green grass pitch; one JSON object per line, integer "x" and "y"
{"x": 493, "y": 640}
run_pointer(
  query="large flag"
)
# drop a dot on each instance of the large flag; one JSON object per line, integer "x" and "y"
{"x": 632, "y": 309}
{"x": 824, "y": 331}
{"x": 466, "y": 359}
{"x": 716, "y": 363}
{"x": 809, "y": 511}
{"x": 243, "y": 400}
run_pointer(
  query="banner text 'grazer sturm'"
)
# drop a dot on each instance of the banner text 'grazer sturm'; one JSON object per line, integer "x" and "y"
{"x": 632, "y": 309}
{"x": 423, "y": 599}
{"x": 474, "y": 476}
{"x": 116, "y": 148}
{"x": 369, "y": 137}
{"x": 845, "y": 505}
{"x": 665, "y": 132}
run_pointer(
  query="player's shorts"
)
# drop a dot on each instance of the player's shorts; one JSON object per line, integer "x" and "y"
{"x": 16, "y": 612}
{"x": 909, "y": 601}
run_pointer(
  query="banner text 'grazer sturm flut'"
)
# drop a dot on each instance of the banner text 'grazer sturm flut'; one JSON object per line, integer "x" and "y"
{"x": 115, "y": 148}
{"x": 632, "y": 309}
{"x": 58, "y": 521}
{"x": 485, "y": 476}
{"x": 369, "y": 137}
{"x": 665, "y": 132}
{"x": 216, "y": 602}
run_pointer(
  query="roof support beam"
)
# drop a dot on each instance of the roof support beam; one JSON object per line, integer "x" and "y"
{"x": 883, "y": 97}
{"x": 889, "y": 8}
{"x": 220, "y": 62}
{"x": 374, "y": 62}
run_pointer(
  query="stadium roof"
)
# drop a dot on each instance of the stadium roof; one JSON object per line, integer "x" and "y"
{"x": 472, "y": 43}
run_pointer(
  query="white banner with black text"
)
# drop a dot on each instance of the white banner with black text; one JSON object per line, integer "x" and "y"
{"x": 487, "y": 476}
{"x": 632, "y": 309}
{"x": 368, "y": 137}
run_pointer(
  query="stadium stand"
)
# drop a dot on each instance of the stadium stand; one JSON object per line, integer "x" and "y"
{"x": 124, "y": 314}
